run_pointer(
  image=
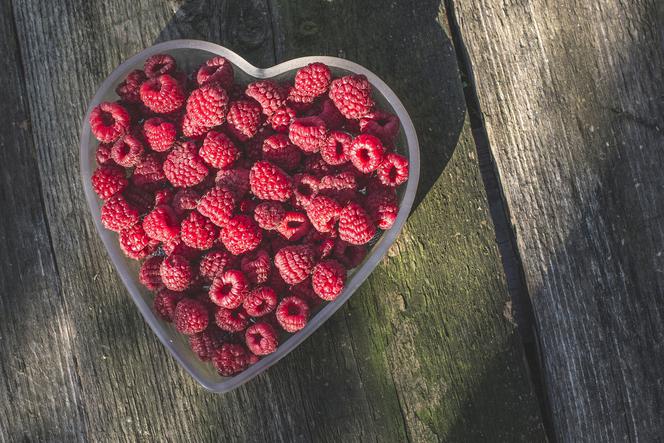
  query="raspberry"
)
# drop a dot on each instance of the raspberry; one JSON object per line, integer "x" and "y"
{"x": 207, "y": 106}
{"x": 229, "y": 290}
{"x": 278, "y": 149}
{"x": 352, "y": 96}
{"x": 294, "y": 226}
{"x": 235, "y": 180}
{"x": 149, "y": 274}
{"x": 185, "y": 200}
{"x": 393, "y": 171}
{"x": 231, "y": 320}
{"x": 214, "y": 263}
{"x": 325, "y": 248}
{"x": 198, "y": 232}
{"x": 282, "y": 118}
{"x": 159, "y": 64}
{"x": 191, "y": 316}
{"x": 382, "y": 207}
{"x": 163, "y": 196}
{"x": 256, "y": 267}
{"x": 217, "y": 204}
{"x": 316, "y": 166}
{"x": 305, "y": 188}
{"x": 192, "y": 130}
{"x": 383, "y": 125}
{"x": 128, "y": 89}
{"x": 176, "y": 273}
{"x": 108, "y": 180}
{"x": 331, "y": 115}
{"x": 218, "y": 150}
{"x": 140, "y": 198}
{"x": 205, "y": 343}
{"x": 294, "y": 263}
{"x": 161, "y": 223}
{"x": 159, "y": 134}
{"x": 268, "y": 94}
{"x": 300, "y": 102}
{"x": 349, "y": 255}
{"x": 230, "y": 359}
{"x": 216, "y": 70}
{"x": 313, "y": 80}
{"x": 342, "y": 187}
{"x": 127, "y": 151}
{"x": 103, "y": 154}
{"x": 164, "y": 303}
{"x": 109, "y": 121}
{"x": 355, "y": 225}
{"x": 335, "y": 148}
{"x": 162, "y": 94}
{"x": 269, "y": 182}
{"x": 176, "y": 246}
{"x": 135, "y": 243}
{"x": 366, "y": 153}
{"x": 244, "y": 119}
{"x": 268, "y": 215}
{"x": 261, "y": 339}
{"x": 261, "y": 301}
{"x": 292, "y": 314}
{"x": 328, "y": 279}
{"x": 308, "y": 133}
{"x": 241, "y": 234}
{"x": 149, "y": 173}
{"x": 183, "y": 167}
{"x": 323, "y": 212}
{"x": 117, "y": 214}
{"x": 247, "y": 206}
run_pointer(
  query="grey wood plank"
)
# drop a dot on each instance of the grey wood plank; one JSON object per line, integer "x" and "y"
{"x": 573, "y": 100}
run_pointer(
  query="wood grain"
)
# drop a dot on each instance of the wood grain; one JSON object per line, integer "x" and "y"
{"x": 573, "y": 101}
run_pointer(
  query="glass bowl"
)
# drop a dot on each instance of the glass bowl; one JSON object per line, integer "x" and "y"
{"x": 189, "y": 55}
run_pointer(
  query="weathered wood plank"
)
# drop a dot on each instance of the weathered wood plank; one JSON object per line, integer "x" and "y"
{"x": 573, "y": 99}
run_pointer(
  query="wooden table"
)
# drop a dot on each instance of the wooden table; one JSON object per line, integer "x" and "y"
{"x": 546, "y": 136}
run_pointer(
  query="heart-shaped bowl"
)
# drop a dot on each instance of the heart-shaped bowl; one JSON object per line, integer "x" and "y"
{"x": 190, "y": 54}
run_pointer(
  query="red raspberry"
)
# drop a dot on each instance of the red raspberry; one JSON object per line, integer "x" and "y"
{"x": 141, "y": 199}
{"x": 216, "y": 70}
{"x": 294, "y": 226}
{"x": 247, "y": 206}
{"x": 241, "y": 234}
{"x": 159, "y": 134}
{"x": 108, "y": 180}
{"x": 323, "y": 212}
{"x": 328, "y": 279}
{"x": 313, "y": 80}
{"x": 316, "y": 166}
{"x": 161, "y": 223}
{"x": 278, "y": 149}
{"x": 229, "y": 290}
{"x": 300, "y": 102}
{"x": 269, "y": 182}
{"x": 393, "y": 171}
{"x": 117, "y": 214}
{"x": 218, "y": 150}
{"x": 109, "y": 122}
{"x": 149, "y": 173}
{"x": 268, "y": 215}
{"x": 231, "y": 320}
{"x": 204, "y": 344}
{"x": 159, "y": 64}
{"x": 244, "y": 119}
{"x": 183, "y": 167}
{"x": 383, "y": 125}
{"x": 355, "y": 225}
{"x": 342, "y": 187}
{"x": 176, "y": 273}
{"x": 256, "y": 267}
{"x": 366, "y": 152}
{"x": 292, "y": 314}
{"x": 268, "y": 94}
{"x": 191, "y": 316}
{"x": 191, "y": 129}
{"x": 305, "y": 188}
{"x": 162, "y": 94}
{"x": 207, "y": 105}
{"x": 176, "y": 246}
{"x": 198, "y": 232}
{"x": 331, "y": 115}
{"x": 261, "y": 301}
{"x": 231, "y": 359}
{"x": 185, "y": 200}
{"x": 325, "y": 248}
{"x": 149, "y": 274}
{"x": 128, "y": 89}
{"x": 135, "y": 243}
{"x": 294, "y": 263}
{"x": 164, "y": 303}
{"x": 214, "y": 263}
{"x": 235, "y": 180}
{"x": 103, "y": 154}
{"x": 217, "y": 204}
{"x": 282, "y": 118}
{"x": 308, "y": 133}
{"x": 261, "y": 339}
{"x": 352, "y": 96}
{"x": 382, "y": 207}
{"x": 127, "y": 151}
{"x": 349, "y": 255}
{"x": 304, "y": 291}
{"x": 335, "y": 148}
{"x": 164, "y": 196}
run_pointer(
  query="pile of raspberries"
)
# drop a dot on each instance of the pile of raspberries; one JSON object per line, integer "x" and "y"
{"x": 248, "y": 204}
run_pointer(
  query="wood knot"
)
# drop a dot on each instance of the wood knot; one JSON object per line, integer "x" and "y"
{"x": 308, "y": 27}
